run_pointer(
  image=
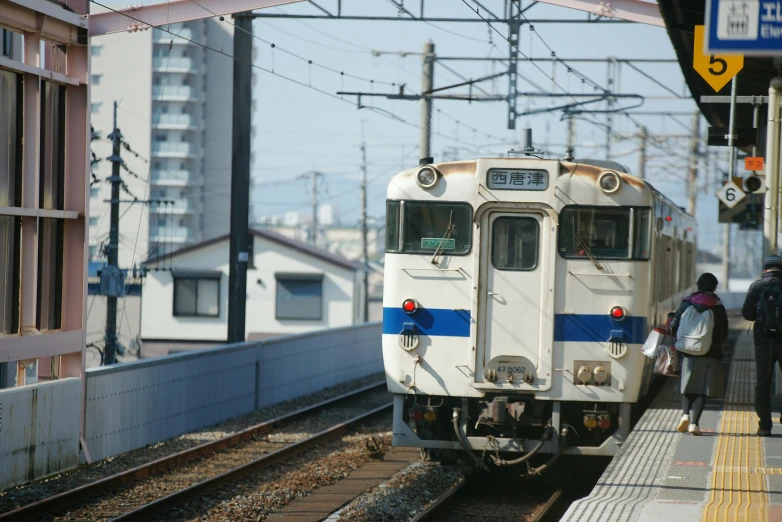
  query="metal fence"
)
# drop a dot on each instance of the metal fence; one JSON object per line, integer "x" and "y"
{"x": 39, "y": 430}
{"x": 131, "y": 405}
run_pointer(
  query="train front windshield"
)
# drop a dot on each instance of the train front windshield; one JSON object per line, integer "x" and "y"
{"x": 604, "y": 232}
{"x": 418, "y": 227}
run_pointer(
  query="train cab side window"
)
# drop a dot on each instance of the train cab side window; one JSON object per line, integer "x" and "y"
{"x": 642, "y": 217}
{"x": 392, "y": 226}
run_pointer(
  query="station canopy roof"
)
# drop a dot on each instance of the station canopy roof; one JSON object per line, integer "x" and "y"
{"x": 681, "y": 17}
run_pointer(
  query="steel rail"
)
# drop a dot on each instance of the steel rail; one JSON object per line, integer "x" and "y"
{"x": 163, "y": 464}
{"x": 438, "y": 504}
{"x": 164, "y": 504}
{"x": 545, "y": 511}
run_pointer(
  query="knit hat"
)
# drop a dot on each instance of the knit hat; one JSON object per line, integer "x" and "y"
{"x": 772, "y": 261}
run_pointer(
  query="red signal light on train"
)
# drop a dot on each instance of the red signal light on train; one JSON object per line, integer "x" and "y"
{"x": 617, "y": 313}
{"x": 668, "y": 218}
{"x": 409, "y": 306}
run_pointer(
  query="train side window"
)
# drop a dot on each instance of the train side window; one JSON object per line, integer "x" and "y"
{"x": 643, "y": 223}
{"x": 514, "y": 244}
{"x": 392, "y": 226}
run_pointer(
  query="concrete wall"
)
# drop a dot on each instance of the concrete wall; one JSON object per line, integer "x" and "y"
{"x": 140, "y": 403}
{"x": 159, "y": 323}
{"x": 39, "y": 430}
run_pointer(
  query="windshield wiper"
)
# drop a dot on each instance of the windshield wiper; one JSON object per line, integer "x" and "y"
{"x": 446, "y": 237}
{"x": 587, "y": 251}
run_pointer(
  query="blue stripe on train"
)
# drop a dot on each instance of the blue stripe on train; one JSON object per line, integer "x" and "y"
{"x": 567, "y": 327}
{"x": 598, "y": 328}
{"x": 429, "y": 321}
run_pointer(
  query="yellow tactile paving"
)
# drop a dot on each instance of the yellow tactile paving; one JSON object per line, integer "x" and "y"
{"x": 738, "y": 480}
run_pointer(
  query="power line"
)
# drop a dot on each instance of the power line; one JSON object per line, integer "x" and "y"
{"x": 377, "y": 110}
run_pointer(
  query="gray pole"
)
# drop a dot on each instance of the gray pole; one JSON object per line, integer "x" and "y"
{"x": 771, "y": 212}
{"x": 240, "y": 178}
{"x": 692, "y": 188}
{"x": 314, "y": 228}
{"x": 427, "y": 84}
{"x": 642, "y": 156}
{"x": 110, "y": 350}
{"x": 364, "y": 245}
{"x": 731, "y": 172}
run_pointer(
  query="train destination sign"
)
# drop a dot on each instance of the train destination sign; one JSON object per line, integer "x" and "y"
{"x": 433, "y": 243}
{"x": 751, "y": 27}
{"x": 517, "y": 179}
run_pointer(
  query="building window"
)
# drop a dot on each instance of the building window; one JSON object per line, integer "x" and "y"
{"x": 197, "y": 296}
{"x": 95, "y": 78}
{"x": 52, "y": 186}
{"x": 95, "y": 107}
{"x": 9, "y": 274}
{"x": 95, "y": 50}
{"x": 299, "y": 296}
{"x": 8, "y": 42}
{"x": 93, "y": 221}
{"x": 50, "y": 254}
{"x": 94, "y": 191}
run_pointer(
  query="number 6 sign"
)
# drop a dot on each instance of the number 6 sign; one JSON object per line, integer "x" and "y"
{"x": 730, "y": 194}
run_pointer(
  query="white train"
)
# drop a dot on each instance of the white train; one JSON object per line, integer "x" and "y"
{"x": 518, "y": 293}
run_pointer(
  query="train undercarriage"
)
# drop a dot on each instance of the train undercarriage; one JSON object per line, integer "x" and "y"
{"x": 506, "y": 430}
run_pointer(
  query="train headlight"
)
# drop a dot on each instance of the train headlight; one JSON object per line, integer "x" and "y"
{"x": 409, "y": 306}
{"x": 617, "y": 313}
{"x": 609, "y": 182}
{"x": 427, "y": 177}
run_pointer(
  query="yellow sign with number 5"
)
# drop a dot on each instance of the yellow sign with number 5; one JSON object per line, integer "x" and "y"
{"x": 716, "y": 69}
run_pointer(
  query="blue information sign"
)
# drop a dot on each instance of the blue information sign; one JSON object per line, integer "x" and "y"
{"x": 751, "y": 27}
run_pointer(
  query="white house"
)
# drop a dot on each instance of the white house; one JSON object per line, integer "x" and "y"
{"x": 291, "y": 288}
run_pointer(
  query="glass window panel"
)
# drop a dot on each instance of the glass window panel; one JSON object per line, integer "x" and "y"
{"x": 52, "y": 146}
{"x": 10, "y": 139}
{"x": 643, "y": 230}
{"x": 299, "y": 299}
{"x": 9, "y": 274}
{"x": 392, "y": 226}
{"x": 185, "y": 296}
{"x": 515, "y": 243}
{"x": 603, "y": 233}
{"x": 207, "y": 302}
{"x": 426, "y": 226}
{"x": 50, "y": 254}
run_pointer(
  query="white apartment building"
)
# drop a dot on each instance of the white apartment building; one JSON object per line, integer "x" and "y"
{"x": 175, "y": 112}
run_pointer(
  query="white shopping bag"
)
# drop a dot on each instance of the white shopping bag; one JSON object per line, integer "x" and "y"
{"x": 657, "y": 337}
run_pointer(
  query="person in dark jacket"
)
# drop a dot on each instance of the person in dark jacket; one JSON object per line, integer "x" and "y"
{"x": 768, "y": 349}
{"x": 701, "y": 375}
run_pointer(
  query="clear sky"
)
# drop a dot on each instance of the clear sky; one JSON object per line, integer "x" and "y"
{"x": 299, "y": 129}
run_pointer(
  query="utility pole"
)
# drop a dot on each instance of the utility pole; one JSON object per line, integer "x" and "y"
{"x": 771, "y": 214}
{"x": 314, "y": 226}
{"x": 644, "y": 135}
{"x": 427, "y": 84}
{"x": 110, "y": 350}
{"x": 731, "y": 171}
{"x": 692, "y": 187}
{"x": 571, "y": 133}
{"x": 240, "y": 178}
{"x": 364, "y": 245}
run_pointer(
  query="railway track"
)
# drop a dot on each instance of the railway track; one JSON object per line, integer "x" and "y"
{"x": 209, "y": 466}
{"x": 504, "y": 495}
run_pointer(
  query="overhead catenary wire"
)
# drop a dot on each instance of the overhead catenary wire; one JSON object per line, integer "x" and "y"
{"x": 376, "y": 110}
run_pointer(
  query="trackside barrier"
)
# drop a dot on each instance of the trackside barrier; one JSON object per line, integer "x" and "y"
{"x": 134, "y": 404}
{"x": 39, "y": 430}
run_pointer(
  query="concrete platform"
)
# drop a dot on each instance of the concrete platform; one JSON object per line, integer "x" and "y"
{"x": 728, "y": 474}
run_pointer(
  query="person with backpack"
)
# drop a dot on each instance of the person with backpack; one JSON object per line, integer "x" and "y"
{"x": 764, "y": 306}
{"x": 700, "y": 325}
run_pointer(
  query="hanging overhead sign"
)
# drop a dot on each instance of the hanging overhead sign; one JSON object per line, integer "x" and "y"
{"x": 716, "y": 69}
{"x": 748, "y": 27}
